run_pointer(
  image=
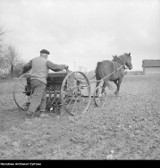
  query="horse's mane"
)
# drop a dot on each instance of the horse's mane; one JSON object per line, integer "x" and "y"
{"x": 120, "y": 56}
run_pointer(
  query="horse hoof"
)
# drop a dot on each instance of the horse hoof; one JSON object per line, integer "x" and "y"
{"x": 116, "y": 93}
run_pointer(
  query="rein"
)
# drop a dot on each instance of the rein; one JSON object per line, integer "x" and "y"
{"x": 122, "y": 65}
{"x": 107, "y": 75}
{"x": 116, "y": 58}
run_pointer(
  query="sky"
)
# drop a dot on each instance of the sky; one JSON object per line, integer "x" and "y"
{"x": 79, "y": 33}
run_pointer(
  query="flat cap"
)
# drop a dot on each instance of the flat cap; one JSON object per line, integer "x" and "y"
{"x": 44, "y": 51}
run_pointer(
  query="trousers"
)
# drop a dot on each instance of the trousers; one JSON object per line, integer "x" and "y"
{"x": 38, "y": 98}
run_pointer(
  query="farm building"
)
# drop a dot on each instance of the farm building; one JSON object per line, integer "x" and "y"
{"x": 151, "y": 67}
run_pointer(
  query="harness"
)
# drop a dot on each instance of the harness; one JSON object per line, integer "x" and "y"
{"x": 118, "y": 60}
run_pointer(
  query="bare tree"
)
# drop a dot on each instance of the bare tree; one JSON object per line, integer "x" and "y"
{"x": 2, "y": 33}
{"x": 11, "y": 58}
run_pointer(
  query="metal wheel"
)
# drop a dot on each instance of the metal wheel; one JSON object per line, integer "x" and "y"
{"x": 75, "y": 93}
{"x": 22, "y": 92}
{"x": 99, "y": 97}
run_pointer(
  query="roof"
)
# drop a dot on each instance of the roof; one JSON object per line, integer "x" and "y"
{"x": 151, "y": 63}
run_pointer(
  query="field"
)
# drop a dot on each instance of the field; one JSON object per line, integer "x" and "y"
{"x": 127, "y": 127}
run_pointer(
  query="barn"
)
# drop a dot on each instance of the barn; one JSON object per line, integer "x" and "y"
{"x": 151, "y": 67}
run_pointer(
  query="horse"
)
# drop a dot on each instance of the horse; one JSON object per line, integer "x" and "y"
{"x": 113, "y": 71}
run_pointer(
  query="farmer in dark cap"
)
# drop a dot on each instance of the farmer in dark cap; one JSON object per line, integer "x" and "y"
{"x": 44, "y": 51}
{"x": 39, "y": 67}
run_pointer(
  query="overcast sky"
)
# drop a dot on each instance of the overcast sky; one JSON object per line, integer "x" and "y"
{"x": 83, "y": 31}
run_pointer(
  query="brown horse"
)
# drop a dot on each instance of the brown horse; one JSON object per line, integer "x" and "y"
{"x": 113, "y": 70}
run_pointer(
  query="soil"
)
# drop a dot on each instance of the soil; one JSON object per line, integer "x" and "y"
{"x": 126, "y": 128}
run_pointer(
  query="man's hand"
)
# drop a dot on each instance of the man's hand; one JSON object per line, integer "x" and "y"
{"x": 67, "y": 69}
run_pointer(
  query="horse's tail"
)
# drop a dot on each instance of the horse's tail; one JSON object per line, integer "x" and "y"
{"x": 97, "y": 71}
{"x": 101, "y": 74}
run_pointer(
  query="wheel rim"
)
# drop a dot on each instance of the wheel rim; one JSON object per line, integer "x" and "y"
{"x": 76, "y": 93}
{"x": 99, "y": 98}
{"x": 21, "y": 93}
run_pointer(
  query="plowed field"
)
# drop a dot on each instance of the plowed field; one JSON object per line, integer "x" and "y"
{"x": 127, "y": 127}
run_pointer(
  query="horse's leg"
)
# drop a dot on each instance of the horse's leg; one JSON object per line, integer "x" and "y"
{"x": 97, "y": 84}
{"x": 119, "y": 81}
{"x": 116, "y": 83}
{"x": 104, "y": 86}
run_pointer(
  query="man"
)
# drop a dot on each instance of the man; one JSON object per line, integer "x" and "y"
{"x": 39, "y": 67}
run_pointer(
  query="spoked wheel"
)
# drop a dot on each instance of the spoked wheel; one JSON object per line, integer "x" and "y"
{"x": 22, "y": 92}
{"x": 76, "y": 93}
{"x": 99, "y": 97}
{"x": 53, "y": 100}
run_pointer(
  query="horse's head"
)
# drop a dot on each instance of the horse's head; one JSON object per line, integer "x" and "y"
{"x": 129, "y": 61}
